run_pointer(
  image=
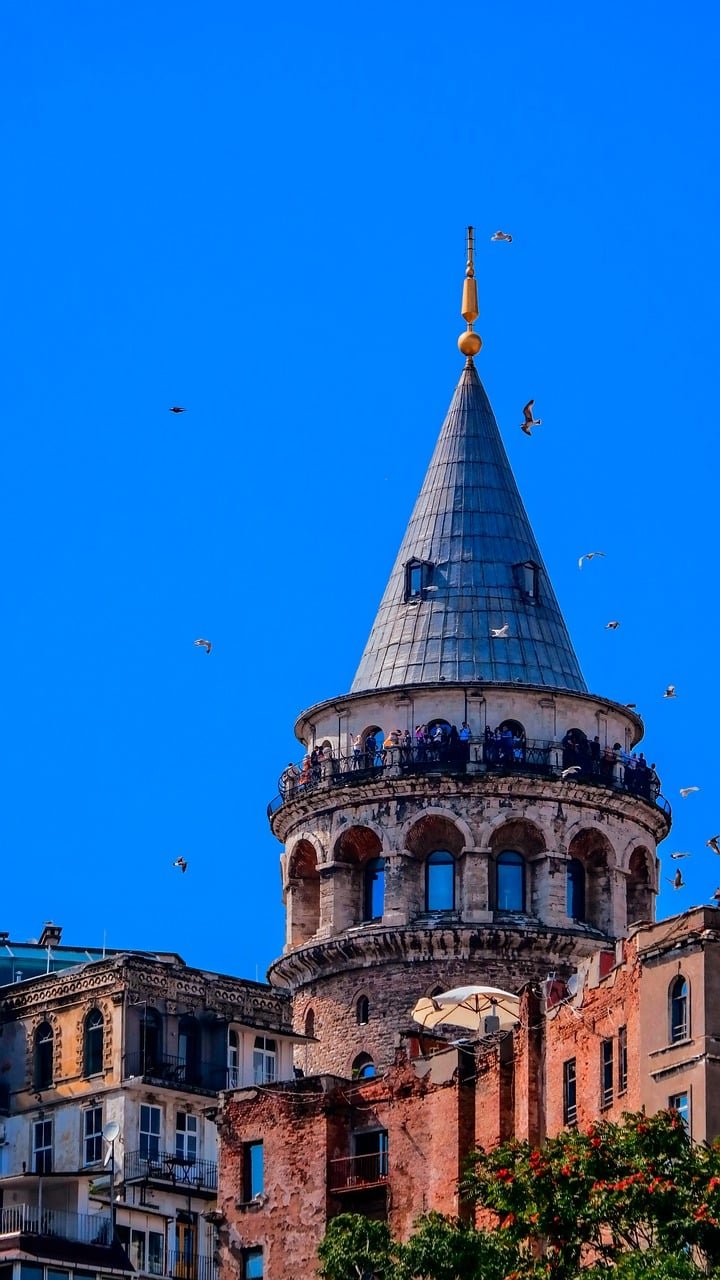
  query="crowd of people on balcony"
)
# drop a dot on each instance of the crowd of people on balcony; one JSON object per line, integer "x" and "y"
{"x": 503, "y": 748}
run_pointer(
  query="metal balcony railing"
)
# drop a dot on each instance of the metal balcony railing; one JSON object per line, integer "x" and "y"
{"x": 176, "y": 1073}
{"x": 353, "y": 1172}
{"x": 184, "y": 1267}
{"x": 31, "y": 1219}
{"x": 544, "y": 758}
{"x": 167, "y": 1166}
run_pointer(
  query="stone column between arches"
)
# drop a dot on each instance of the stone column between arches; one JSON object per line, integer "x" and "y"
{"x": 476, "y": 885}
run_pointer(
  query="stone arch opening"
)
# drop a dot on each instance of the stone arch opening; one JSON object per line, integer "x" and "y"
{"x": 639, "y": 889}
{"x": 303, "y": 895}
{"x": 594, "y": 852}
{"x": 371, "y": 740}
{"x": 358, "y": 878}
{"x": 515, "y": 847}
{"x": 576, "y": 750}
{"x": 431, "y": 876}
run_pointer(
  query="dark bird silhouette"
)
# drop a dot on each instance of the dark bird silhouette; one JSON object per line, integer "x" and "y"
{"x": 182, "y": 864}
{"x": 677, "y": 881}
{"x": 204, "y": 644}
{"x": 611, "y": 626}
{"x": 679, "y": 855}
{"x": 712, "y": 843}
{"x": 502, "y": 235}
{"x": 670, "y": 692}
{"x": 177, "y": 408}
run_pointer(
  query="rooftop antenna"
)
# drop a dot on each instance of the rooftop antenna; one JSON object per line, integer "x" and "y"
{"x": 470, "y": 342}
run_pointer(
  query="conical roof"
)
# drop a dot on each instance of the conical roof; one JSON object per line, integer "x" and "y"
{"x": 477, "y": 569}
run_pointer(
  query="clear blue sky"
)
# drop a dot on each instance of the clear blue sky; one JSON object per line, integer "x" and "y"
{"x": 260, "y": 214}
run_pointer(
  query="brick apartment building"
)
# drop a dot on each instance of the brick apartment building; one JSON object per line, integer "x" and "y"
{"x": 469, "y": 813}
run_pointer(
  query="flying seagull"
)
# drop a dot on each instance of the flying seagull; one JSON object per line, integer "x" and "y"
{"x": 500, "y": 633}
{"x": 670, "y": 692}
{"x": 177, "y": 408}
{"x": 687, "y": 791}
{"x": 568, "y": 773}
{"x": 677, "y": 881}
{"x": 204, "y": 644}
{"x": 530, "y": 419}
{"x": 679, "y": 855}
{"x": 181, "y": 863}
{"x": 716, "y": 896}
{"x": 589, "y": 555}
{"x": 502, "y": 235}
{"x": 712, "y": 843}
{"x": 611, "y": 626}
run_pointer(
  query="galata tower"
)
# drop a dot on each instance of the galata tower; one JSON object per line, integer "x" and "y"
{"x": 468, "y": 813}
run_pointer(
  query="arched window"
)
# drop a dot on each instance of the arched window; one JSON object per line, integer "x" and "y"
{"x": 374, "y": 889}
{"x": 362, "y": 1011}
{"x": 233, "y": 1059}
{"x": 576, "y": 889}
{"x": 43, "y": 1056}
{"x": 189, "y": 1049}
{"x": 679, "y": 1010}
{"x": 440, "y": 881}
{"x": 150, "y": 1039}
{"x": 93, "y": 1050}
{"x": 363, "y": 1067}
{"x": 510, "y": 881}
{"x": 310, "y": 1022}
{"x": 372, "y": 740}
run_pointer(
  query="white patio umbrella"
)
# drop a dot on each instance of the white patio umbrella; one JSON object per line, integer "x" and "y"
{"x": 468, "y": 1007}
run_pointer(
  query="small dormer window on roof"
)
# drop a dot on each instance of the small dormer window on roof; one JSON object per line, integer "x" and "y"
{"x": 417, "y": 578}
{"x": 526, "y": 577}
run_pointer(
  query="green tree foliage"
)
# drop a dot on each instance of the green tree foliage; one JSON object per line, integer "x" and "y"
{"x": 636, "y": 1201}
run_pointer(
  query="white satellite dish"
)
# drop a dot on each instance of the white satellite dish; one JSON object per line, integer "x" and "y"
{"x": 572, "y": 984}
{"x": 111, "y": 1131}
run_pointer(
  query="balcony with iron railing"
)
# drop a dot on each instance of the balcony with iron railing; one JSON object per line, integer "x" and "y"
{"x": 181, "y": 1266}
{"x": 34, "y": 1220}
{"x": 176, "y": 1073}
{"x": 529, "y": 757}
{"x": 171, "y": 1169}
{"x": 355, "y": 1173}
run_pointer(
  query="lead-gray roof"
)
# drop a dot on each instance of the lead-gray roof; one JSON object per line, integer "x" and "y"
{"x": 470, "y": 526}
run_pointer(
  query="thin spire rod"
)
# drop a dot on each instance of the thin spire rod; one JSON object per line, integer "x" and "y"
{"x": 470, "y": 342}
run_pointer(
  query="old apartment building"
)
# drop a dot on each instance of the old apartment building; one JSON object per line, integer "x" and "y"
{"x": 110, "y": 1070}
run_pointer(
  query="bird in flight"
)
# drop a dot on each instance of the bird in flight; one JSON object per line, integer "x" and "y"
{"x": 181, "y": 863}
{"x": 611, "y": 626}
{"x": 716, "y": 896}
{"x": 502, "y": 235}
{"x": 631, "y": 705}
{"x": 687, "y": 791}
{"x": 177, "y": 408}
{"x": 500, "y": 633}
{"x": 568, "y": 773}
{"x": 679, "y": 855}
{"x": 203, "y": 644}
{"x": 670, "y": 692}
{"x": 677, "y": 881}
{"x": 530, "y": 419}
{"x": 712, "y": 843}
{"x": 589, "y": 555}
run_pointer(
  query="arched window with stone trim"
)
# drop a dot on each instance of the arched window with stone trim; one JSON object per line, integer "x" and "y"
{"x": 303, "y": 894}
{"x": 593, "y": 850}
{"x": 440, "y": 881}
{"x": 93, "y": 1042}
{"x": 679, "y": 1009}
{"x": 359, "y": 864}
{"x": 310, "y": 1022}
{"x": 372, "y": 739}
{"x": 510, "y": 881}
{"x": 575, "y": 889}
{"x": 43, "y": 1056}
{"x": 363, "y": 1067}
{"x": 638, "y": 887}
{"x": 362, "y": 1011}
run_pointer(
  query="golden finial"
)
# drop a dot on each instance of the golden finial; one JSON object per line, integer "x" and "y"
{"x": 470, "y": 342}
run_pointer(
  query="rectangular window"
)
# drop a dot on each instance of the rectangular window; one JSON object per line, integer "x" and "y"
{"x": 680, "y": 1102}
{"x": 252, "y": 1264}
{"x": 253, "y": 1173}
{"x": 137, "y": 1250}
{"x": 264, "y": 1060}
{"x": 42, "y": 1146}
{"x": 156, "y": 1244}
{"x": 186, "y": 1137}
{"x": 92, "y": 1135}
{"x": 569, "y": 1092}
{"x": 606, "y": 1072}
{"x": 149, "y": 1132}
{"x": 622, "y": 1060}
